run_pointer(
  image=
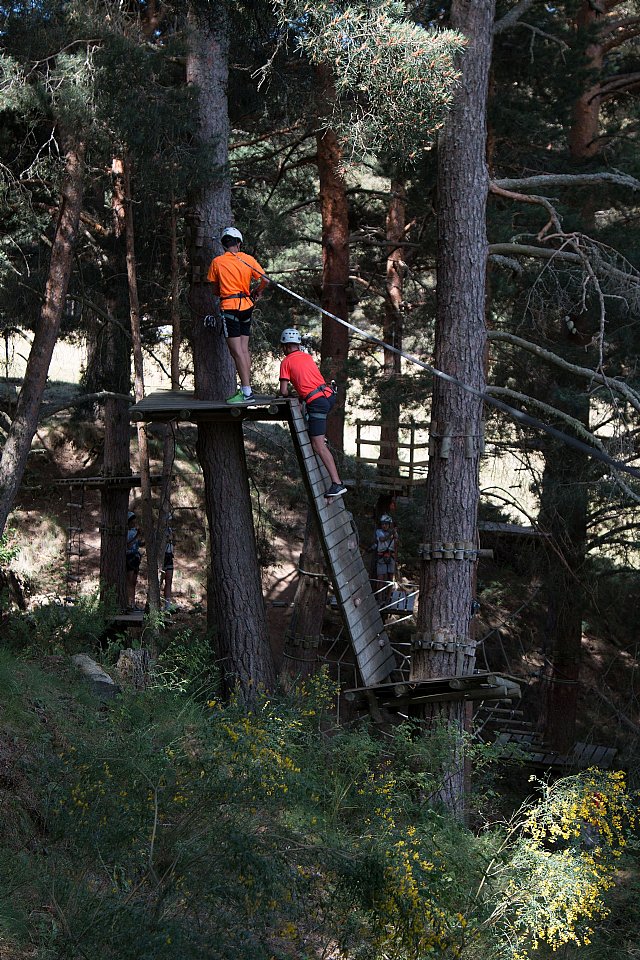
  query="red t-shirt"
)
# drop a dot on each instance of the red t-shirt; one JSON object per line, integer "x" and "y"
{"x": 302, "y": 371}
{"x": 233, "y": 273}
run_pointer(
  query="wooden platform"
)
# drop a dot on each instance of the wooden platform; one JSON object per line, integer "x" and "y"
{"x": 130, "y": 480}
{"x": 131, "y": 619}
{"x": 168, "y": 405}
{"x": 474, "y": 686}
{"x": 529, "y": 749}
{"x": 374, "y": 654}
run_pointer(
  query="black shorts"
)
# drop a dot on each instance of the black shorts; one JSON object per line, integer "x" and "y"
{"x": 133, "y": 561}
{"x": 237, "y": 323}
{"x": 167, "y": 563}
{"x": 317, "y": 412}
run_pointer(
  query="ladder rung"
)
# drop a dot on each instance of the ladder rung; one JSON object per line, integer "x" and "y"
{"x": 78, "y": 506}
{"x": 74, "y": 529}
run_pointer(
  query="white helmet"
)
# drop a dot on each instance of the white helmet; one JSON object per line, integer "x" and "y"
{"x": 231, "y": 232}
{"x": 385, "y": 518}
{"x": 290, "y": 336}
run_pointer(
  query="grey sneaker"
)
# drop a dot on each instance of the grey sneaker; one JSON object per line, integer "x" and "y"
{"x": 336, "y": 490}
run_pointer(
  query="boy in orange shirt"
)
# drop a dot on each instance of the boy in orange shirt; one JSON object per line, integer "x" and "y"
{"x": 231, "y": 275}
{"x": 299, "y": 369}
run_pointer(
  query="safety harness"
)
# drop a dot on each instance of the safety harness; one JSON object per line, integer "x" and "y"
{"x": 318, "y": 392}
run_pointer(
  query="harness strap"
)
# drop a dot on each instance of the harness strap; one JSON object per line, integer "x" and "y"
{"x": 236, "y": 296}
{"x": 319, "y": 391}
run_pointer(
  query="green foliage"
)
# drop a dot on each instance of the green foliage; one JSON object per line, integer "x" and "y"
{"x": 394, "y": 80}
{"x": 178, "y": 827}
{"x": 9, "y": 547}
{"x": 54, "y": 628}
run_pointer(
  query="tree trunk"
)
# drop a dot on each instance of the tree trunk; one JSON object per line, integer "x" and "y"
{"x": 236, "y": 608}
{"x": 389, "y": 387}
{"x": 585, "y": 116}
{"x": 24, "y": 424}
{"x": 564, "y": 502}
{"x": 444, "y": 646}
{"x": 304, "y": 634}
{"x": 148, "y": 526}
{"x": 242, "y": 639}
{"x": 563, "y": 512}
{"x": 110, "y": 368}
{"x": 335, "y": 264}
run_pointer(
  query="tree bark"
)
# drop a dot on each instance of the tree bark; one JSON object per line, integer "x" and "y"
{"x": 305, "y": 628}
{"x": 335, "y": 263}
{"x": 241, "y": 636}
{"x": 585, "y": 115}
{"x": 389, "y": 388}
{"x": 446, "y": 585}
{"x": 110, "y": 366}
{"x": 24, "y": 424}
{"x": 563, "y": 511}
{"x": 564, "y": 503}
{"x": 235, "y": 609}
{"x": 148, "y": 526}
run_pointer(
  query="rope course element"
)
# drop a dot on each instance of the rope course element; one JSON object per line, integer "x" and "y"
{"x": 518, "y": 415}
{"x": 75, "y": 511}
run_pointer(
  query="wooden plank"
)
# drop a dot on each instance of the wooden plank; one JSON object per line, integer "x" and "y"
{"x": 340, "y": 543}
{"x": 375, "y": 663}
{"x": 401, "y": 446}
{"x": 359, "y": 587}
{"x": 372, "y": 655}
{"x": 343, "y": 540}
{"x": 346, "y": 565}
{"x": 394, "y": 463}
{"x": 370, "y": 628}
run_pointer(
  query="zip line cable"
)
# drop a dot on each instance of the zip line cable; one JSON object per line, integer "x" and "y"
{"x": 513, "y": 412}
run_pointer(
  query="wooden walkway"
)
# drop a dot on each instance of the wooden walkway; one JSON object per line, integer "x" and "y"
{"x": 473, "y": 686}
{"x": 167, "y": 405}
{"x": 528, "y": 748}
{"x": 374, "y": 655}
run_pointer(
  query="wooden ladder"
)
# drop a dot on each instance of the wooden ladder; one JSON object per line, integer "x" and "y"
{"x": 374, "y": 654}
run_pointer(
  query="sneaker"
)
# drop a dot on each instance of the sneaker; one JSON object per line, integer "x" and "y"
{"x": 336, "y": 490}
{"x": 239, "y": 397}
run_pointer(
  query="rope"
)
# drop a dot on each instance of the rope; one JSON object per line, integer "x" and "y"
{"x": 512, "y": 412}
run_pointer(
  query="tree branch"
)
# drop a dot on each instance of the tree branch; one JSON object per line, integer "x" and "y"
{"x": 546, "y": 180}
{"x": 586, "y": 373}
{"x": 49, "y": 409}
{"x": 580, "y": 429}
{"x": 511, "y": 18}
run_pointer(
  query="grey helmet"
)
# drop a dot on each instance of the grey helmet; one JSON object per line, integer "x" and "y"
{"x": 290, "y": 335}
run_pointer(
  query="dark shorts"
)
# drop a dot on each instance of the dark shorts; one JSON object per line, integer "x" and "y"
{"x": 317, "y": 413}
{"x": 237, "y": 323}
{"x": 168, "y": 560}
{"x": 133, "y": 561}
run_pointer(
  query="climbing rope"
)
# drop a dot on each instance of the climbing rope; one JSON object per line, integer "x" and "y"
{"x": 517, "y": 415}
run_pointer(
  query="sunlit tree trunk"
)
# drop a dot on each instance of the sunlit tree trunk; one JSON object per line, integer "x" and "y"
{"x": 389, "y": 388}
{"x": 335, "y": 263}
{"x": 23, "y": 427}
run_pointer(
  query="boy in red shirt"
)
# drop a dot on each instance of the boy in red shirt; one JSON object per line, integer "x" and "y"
{"x": 299, "y": 369}
{"x": 231, "y": 275}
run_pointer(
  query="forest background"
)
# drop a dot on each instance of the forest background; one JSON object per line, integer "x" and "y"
{"x": 467, "y": 196}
